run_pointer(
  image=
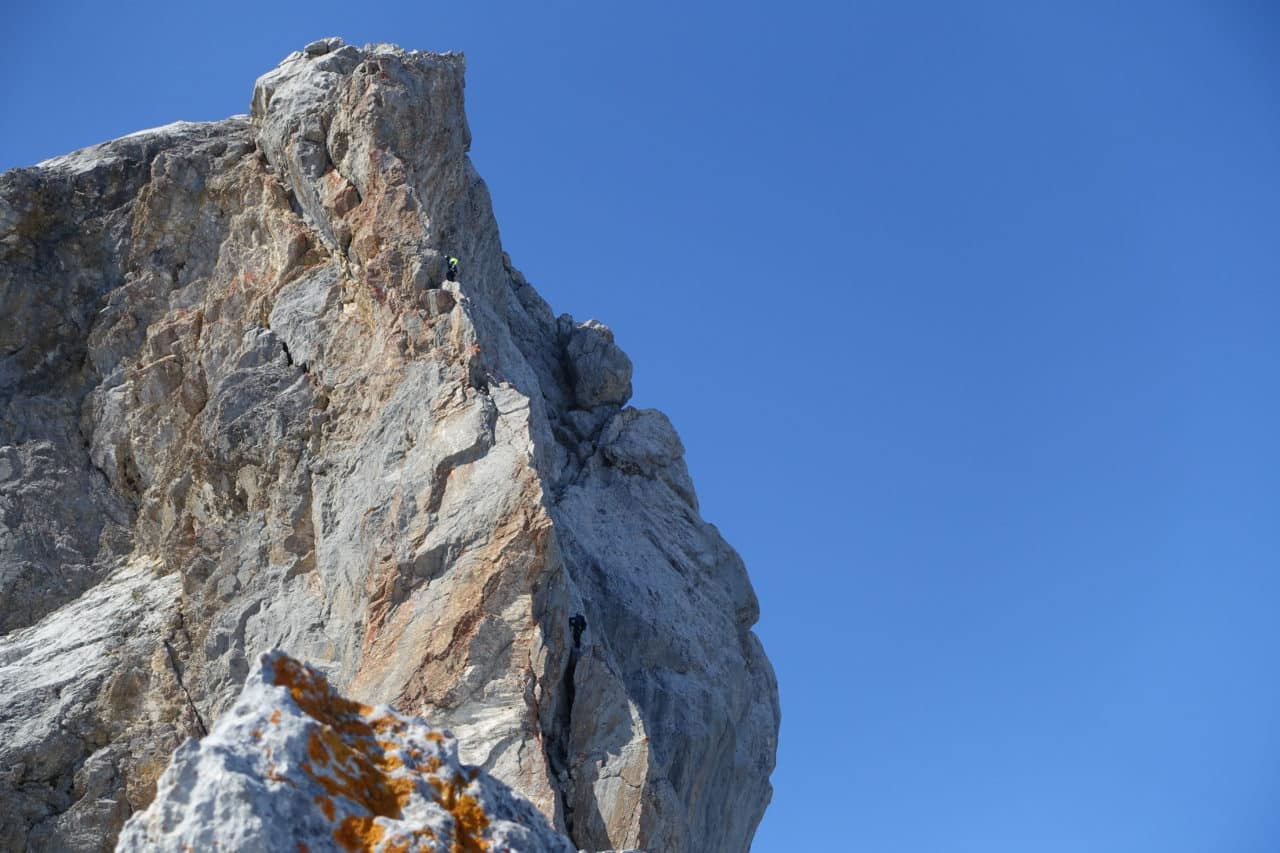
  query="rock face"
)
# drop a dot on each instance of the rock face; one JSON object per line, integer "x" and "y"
{"x": 235, "y": 416}
{"x": 295, "y": 766}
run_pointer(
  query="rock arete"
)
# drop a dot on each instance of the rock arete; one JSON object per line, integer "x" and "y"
{"x": 242, "y": 409}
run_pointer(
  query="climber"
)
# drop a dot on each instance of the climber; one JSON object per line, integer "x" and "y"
{"x": 579, "y": 624}
{"x": 452, "y": 274}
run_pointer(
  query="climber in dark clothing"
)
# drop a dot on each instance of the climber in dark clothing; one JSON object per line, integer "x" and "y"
{"x": 579, "y": 624}
{"x": 452, "y": 274}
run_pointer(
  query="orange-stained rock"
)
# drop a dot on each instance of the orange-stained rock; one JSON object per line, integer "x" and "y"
{"x": 330, "y": 775}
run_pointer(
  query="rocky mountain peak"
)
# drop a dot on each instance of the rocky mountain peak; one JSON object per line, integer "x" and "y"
{"x": 243, "y": 406}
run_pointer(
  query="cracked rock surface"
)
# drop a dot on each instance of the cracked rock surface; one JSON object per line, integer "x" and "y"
{"x": 242, "y": 409}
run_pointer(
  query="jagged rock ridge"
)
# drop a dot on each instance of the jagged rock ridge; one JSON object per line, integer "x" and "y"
{"x": 241, "y": 409}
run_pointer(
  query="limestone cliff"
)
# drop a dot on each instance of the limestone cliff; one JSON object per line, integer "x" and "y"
{"x": 241, "y": 408}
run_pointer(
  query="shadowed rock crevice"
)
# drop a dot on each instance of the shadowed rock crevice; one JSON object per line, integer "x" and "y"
{"x": 176, "y": 666}
{"x": 558, "y": 740}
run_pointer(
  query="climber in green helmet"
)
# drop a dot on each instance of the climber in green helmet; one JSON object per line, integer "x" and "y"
{"x": 452, "y": 274}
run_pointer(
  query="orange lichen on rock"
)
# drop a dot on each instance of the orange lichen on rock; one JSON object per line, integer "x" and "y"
{"x": 356, "y": 757}
{"x": 315, "y": 697}
{"x": 326, "y": 806}
{"x": 387, "y": 724}
{"x": 316, "y": 748}
{"x": 403, "y": 843}
{"x": 469, "y": 819}
{"x": 274, "y": 774}
{"x": 364, "y": 778}
{"x": 359, "y": 833}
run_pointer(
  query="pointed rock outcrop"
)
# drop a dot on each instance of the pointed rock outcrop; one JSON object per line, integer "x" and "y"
{"x": 295, "y": 766}
{"x": 241, "y": 408}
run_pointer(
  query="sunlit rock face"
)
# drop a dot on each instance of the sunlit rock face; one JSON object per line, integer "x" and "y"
{"x": 294, "y": 766}
{"x": 241, "y": 408}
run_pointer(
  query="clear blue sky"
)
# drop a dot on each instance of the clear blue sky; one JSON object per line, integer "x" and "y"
{"x": 968, "y": 316}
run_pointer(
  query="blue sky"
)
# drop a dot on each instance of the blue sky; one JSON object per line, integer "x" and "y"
{"x": 967, "y": 314}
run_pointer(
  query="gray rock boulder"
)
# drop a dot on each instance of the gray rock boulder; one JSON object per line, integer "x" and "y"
{"x": 601, "y": 372}
{"x": 293, "y": 765}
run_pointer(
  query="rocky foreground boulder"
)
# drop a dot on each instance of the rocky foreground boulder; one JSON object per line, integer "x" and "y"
{"x": 241, "y": 408}
{"x": 294, "y": 766}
